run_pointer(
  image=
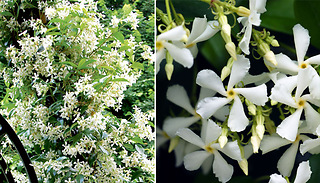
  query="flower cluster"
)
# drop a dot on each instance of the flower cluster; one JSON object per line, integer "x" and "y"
{"x": 66, "y": 80}
{"x": 226, "y": 111}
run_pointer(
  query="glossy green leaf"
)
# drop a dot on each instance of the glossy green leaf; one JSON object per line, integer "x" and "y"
{"x": 279, "y": 16}
{"x": 119, "y": 36}
{"x": 137, "y": 65}
{"x": 308, "y": 15}
{"x": 80, "y": 178}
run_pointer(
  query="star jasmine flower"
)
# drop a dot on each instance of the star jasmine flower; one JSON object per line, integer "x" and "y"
{"x": 237, "y": 120}
{"x": 303, "y": 174}
{"x": 281, "y": 92}
{"x": 311, "y": 145}
{"x": 286, "y": 65}
{"x": 210, "y": 149}
{"x": 201, "y": 31}
{"x": 170, "y": 41}
{"x": 286, "y": 161}
{"x": 256, "y": 8}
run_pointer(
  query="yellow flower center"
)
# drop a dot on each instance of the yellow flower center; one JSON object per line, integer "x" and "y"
{"x": 209, "y": 149}
{"x": 301, "y": 103}
{"x": 159, "y": 45}
{"x": 303, "y": 65}
{"x": 231, "y": 94}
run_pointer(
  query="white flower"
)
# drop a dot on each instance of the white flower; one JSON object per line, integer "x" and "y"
{"x": 281, "y": 92}
{"x": 256, "y": 8}
{"x": 208, "y": 142}
{"x": 303, "y": 174}
{"x": 201, "y": 31}
{"x": 171, "y": 41}
{"x": 237, "y": 120}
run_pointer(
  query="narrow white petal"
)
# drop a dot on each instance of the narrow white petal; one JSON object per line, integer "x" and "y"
{"x": 206, "y": 92}
{"x": 175, "y": 34}
{"x": 308, "y": 145}
{"x": 261, "y": 6}
{"x": 244, "y": 43}
{"x": 286, "y": 65}
{"x": 275, "y": 178}
{"x": 160, "y": 55}
{"x": 211, "y": 30}
{"x": 194, "y": 160}
{"x": 313, "y": 60}
{"x": 178, "y": 95}
{"x": 239, "y": 69}
{"x": 256, "y": 79}
{"x": 289, "y": 126}
{"x": 208, "y": 106}
{"x": 160, "y": 141}
{"x": 315, "y": 150}
{"x": 181, "y": 55}
{"x": 310, "y": 99}
{"x": 232, "y": 150}
{"x": 303, "y": 172}
{"x": 209, "y": 79}
{"x": 304, "y": 79}
{"x": 286, "y": 162}
{"x": 222, "y": 113}
{"x": 213, "y": 132}
{"x": 171, "y": 125}
{"x": 256, "y": 95}
{"x": 301, "y": 41}
{"x": 270, "y": 143}
{"x": 179, "y": 152}
{"x": 222, "y": 170}
{"x": 314, "y": 86}
{"x": 312, "y": 117}
{"x": 199, "y": 25}
{"x": 237, "y": 121}
{"x": 190, "y": 136}
{"x": 280, "y": 93}
{"x": 194, "y": 50}
{"x": 207, "y": 165}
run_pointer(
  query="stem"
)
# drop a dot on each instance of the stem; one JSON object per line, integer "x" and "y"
{"x": 168, "y": 10}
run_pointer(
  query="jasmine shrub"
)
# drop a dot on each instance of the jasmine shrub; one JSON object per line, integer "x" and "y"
{"x": 66, "y": 71}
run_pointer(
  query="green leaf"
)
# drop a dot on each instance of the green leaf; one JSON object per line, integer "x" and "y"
{"x": 84, "y": 62}
{"x": 69, "y": 63}
{"x": 119, "y": 79}
{"x": 137, "y": 65}
{"x": 80, "y": 178}
{"x": 279, "y": 16}
{"x": 119, "y": 36}
{"x": 129, "y": 147}
{"x": 6, "y": 13}
{"x": 308, "y": 15}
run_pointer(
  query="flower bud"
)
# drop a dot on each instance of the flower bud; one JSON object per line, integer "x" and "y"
{"x": 275, "y": 43}
{"x": 273, "y": 102}
{"x": 226, "y": 33}
{"x": 223, "y": 20}
{"x": 255, "y": 141}
{"x": 169, "y": 70}
{"x": 269, "y": 56}
{"x": 244, "y": 165}
{"x": 225, "y": 72}
{"x": 231, "y": 48}
{"x": 223, "y": 139}
{"x": 260, "y": 131}
{"x": 243, "y": 11}
{"x": 270, "y": 126}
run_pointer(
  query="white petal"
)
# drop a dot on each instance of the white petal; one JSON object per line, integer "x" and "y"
{"x": 304, "y": 79}
{"x": 181, "y": 55}
{"x": 275, "y": 178}
{"x": 237, "y": 121}
{"x": 312, "y": 117}
{"x": 310, "y": 99}
{"x": 314, "y": 86}
{"x": 270, "y": 143}
{"x": 209, "y": 79}
{"x": 313, "y": 60}
{"x": 231, "y": 149}
{"x": 222, "y": 170}
{"x": 286, "y": 162}
{"x": 261, "y": 6}
{"x": 286, "y": 65}
{"x": 194, "y": 50}
{"x": 175, "y": 34}
{"x": 160, "y": 141}
{"x": 194, "y": 160}
{"x": 289, "y": 126}
{"x": 280, "y": 93}
{"x": 178, "y": 95}
{"x": 213, "y": 132}
{"x": 256, "y": 79}
{"x": 256, "y": 95}
{"x": 160, "y": 55}
{"x": 206, "y": 92}
{"x": 190, "y": 136}
{"x": 303, "y": 172}
{"x": 207, "y": 165}
{"x": 239, "y": 69}
{"x": 208, "y": 106}
{"x": 171, "y": 125}
{"x": 198, "y": 27}
{"x": 307, "y": 145}
{"x": 315, "y": 150}
{"x": 244, "y": 43}
{"x": 179, "y": 152}
{"x": 222, "y": 113}
{"x": 301, "y": 41}
{"x": 211, "y": 30}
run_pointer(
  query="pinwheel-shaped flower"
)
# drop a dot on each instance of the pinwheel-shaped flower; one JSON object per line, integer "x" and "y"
{"x": 171, "y": 41}
{"x": 281, "y": 92}
{"x": 201, "y": 31}
{"x": 286, "y": 65}
{"x": 237, "y": 120}
{"x": 303, "y": 174}
{"x": 208, "y": 142}
{"x": 256, "y": 8}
